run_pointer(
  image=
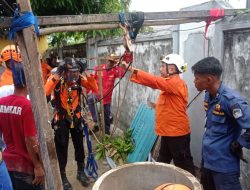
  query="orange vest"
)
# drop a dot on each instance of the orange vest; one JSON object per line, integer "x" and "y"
{"x": 170, "y": 112}
{"x": 6, "y": 78}
{"x": 89, "y": 83}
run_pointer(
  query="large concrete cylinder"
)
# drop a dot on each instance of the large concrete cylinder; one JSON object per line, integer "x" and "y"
{"x": 145, "y": 176}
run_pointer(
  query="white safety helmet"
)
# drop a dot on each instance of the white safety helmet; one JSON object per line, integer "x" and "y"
{"x": 176, "y": 60}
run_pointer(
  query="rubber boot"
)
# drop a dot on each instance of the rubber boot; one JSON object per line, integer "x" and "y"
{"x": 65, "y": 182}
{"x": 81, "y": 176}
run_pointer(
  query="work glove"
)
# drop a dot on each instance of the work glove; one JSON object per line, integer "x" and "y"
{"x": 236, "y": 149}
{"x": 61, "y": 68}
{"x": 82, "y": 64}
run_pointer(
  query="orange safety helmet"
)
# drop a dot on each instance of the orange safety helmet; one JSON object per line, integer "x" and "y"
{"x": 172, "y": 186}
{"x": 11, "y": 49}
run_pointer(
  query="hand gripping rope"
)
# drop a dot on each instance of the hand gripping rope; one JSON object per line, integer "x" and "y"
{"x": 91, "y": 165}
{"x": 133, "y": 24}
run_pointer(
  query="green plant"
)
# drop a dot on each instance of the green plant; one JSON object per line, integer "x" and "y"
{"x": 78, "y": 7}
{"x": 116, "y": 148}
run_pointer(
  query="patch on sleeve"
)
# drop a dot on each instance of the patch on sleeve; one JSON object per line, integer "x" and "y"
{"x": 236, "y": 110}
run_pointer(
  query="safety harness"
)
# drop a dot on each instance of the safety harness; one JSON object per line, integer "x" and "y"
{"x": 61, "y": 113}
{"x": 91, "y": 165}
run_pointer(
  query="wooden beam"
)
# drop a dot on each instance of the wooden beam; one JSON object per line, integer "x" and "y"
{"x": 27, "y": 41}
{"x": 77, "y": 28}
{"x": 172, "y": 21}
{"x": 113, "y": 17}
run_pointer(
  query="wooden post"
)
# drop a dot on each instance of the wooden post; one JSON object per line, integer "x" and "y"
{"x": 27, "y": 41}
{"x": 99, "y": 73}
{"x": 101, "y": 97}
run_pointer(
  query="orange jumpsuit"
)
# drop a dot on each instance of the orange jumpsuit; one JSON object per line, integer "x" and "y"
{"x": 170, "y": 112}
{"x": 6, "y": 78}
{"x": 88, "y": 82}
{"x": 61, "y": 122}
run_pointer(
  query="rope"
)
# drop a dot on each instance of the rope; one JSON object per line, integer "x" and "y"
{"x": 118, "y": 109}
{"x": 91, "y": 166}
{"x": 97, "y": 114}
{"x": 116, "y": 65}
{"x": 87, "y": 122}
{"x": 111, "y": 89}
{"x": 8, "y": 6}
{"x": 197, "y": 95}
{"x": 21, "y": 21}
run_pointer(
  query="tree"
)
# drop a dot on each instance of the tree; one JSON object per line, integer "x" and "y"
{"x": 76, "y": 7}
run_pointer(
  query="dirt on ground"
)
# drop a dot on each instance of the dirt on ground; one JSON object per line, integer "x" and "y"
{"x": 71, "y": 168}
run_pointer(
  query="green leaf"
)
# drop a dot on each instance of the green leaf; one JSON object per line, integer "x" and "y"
{"x": 98, "y": 155}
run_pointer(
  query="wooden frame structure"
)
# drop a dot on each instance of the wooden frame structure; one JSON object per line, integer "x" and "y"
{"x": 27, "y": 41}
{"x": 74, "y": 23}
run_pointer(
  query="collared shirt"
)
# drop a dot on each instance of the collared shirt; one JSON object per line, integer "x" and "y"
{"x": 170, "y": 112}
{"x": 227, "y": 114}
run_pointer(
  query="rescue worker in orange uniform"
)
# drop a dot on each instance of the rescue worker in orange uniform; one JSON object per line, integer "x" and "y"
{"x": 6, "y": 53}
{"x": 66, "y": 84}
{"x": 46, "y": 69}
{"x": 171, "y": 119}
